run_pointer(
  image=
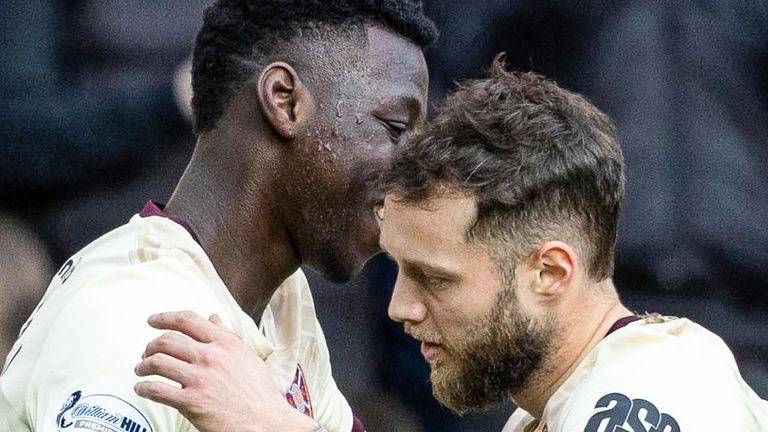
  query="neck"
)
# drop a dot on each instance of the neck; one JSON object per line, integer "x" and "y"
{"x": 578, "y": 335}
{"x": 227, "y": 201}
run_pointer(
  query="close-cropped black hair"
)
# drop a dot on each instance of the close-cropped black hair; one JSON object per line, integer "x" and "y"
{"x": 236, "y": 34}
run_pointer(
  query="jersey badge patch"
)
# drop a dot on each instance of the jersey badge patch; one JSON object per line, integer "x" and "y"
{"x": 298, "y": 395}
{"x": 100, "y": 413}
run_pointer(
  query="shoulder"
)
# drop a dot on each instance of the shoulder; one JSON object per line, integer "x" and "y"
{"x": 673, "y": 374}
{"x": 94, "y": 314}
{"x": 293, "y": 292}
{"x": 76, "y": 357}
{"x": 290, "y": 316}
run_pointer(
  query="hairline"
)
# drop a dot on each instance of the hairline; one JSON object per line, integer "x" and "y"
{"x": 501, "y": 249}
{"x": 256, "y": 60}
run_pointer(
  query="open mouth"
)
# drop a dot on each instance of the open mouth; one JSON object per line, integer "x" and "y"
{"x": 431, "y": 351}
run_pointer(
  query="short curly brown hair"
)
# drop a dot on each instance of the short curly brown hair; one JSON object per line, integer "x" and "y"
{"x": 541, "y": 162}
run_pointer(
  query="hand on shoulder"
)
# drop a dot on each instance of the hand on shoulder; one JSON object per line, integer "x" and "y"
{"x": 224, "y": 385}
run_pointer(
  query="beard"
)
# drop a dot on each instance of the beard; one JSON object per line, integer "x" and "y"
{"x": 501, "y": 353}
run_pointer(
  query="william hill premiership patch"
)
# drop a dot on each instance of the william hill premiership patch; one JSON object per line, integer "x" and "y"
{"x": 100, "y": 413}
{"x": 298, "y": 395}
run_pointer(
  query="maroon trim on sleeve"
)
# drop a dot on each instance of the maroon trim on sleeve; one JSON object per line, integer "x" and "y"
{"x": 153, "y": 208}
{"x": 357, "y": 425}
{"x": 622, "y": 322}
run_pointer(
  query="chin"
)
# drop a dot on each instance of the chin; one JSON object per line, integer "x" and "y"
{"x": 463, "y": 392}
{"x": 338, "y": 276}
{"x": 344, "y": 255}
{"x": 498, "y": 357}
{"x": 339, "y": 269}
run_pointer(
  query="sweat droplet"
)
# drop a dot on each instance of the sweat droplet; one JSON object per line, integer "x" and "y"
{"x": 358, "y": 118}
{"x": 338, "y": 108}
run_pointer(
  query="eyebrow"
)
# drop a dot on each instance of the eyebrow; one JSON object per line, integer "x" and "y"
{"x": 423, "y": 266}
{"x": 411, "y": 104}
{"x": 430, "y": 268}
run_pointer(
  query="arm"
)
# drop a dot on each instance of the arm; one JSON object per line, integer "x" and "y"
{"x": 225, "y": 386}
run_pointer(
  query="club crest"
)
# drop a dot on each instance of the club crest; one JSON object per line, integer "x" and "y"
{"x": 298, "y": 394}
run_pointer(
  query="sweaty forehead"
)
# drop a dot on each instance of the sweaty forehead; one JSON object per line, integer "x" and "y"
{"x": 395, "y": 65}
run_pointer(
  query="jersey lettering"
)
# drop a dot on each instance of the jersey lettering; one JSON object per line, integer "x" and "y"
{"x": 64, "y": 273}
{"x": 624, "y": 415}
{"x": 100, "y": 413}
{"x": 615, "y": 417}
{"x": 67, "y": 269}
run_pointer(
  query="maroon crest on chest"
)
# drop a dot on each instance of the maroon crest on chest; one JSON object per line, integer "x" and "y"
{"x": 298, "y": 394}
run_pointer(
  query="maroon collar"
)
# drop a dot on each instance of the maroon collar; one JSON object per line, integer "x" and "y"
{"x": 154, "y": 208}
{"x": 622, "y": 322}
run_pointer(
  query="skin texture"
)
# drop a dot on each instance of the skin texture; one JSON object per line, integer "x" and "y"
{"x": 283, "y": 180}
{"x": 450, "y": 293}
{"x": 476, "y": 337}
{"x": 447, "y": 295}
{"x": 350, "y": 143}
{"x": 286, "y": 178}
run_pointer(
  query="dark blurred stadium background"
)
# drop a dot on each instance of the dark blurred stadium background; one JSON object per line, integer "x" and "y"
{"x": 90, "y": 129}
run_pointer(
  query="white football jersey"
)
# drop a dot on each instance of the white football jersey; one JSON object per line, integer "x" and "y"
{"x": 72, "y": 367}
{"x": 657, "y": 374}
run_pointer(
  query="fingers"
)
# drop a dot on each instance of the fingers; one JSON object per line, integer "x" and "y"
{"x": 216, "y": 320}
{"x": 225, "y": 332}
{"x": 161, "y": 392}
{"x": 165, "y": 366}
{"x": 189, "y": 323}
{"x": 174, "y": 344}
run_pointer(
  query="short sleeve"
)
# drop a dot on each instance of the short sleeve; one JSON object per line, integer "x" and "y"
{"x": 85, "y": 376}
{"x": 668, "y": 389}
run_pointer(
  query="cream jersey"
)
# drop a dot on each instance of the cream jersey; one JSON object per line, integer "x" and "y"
{"x": 658, "y": 374}
{"x": 71, "y": 368}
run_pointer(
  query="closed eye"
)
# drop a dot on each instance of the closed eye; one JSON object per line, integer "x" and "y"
{"x": 395, "y": 129}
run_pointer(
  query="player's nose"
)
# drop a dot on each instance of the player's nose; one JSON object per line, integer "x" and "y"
{"x": 405, "y": 304}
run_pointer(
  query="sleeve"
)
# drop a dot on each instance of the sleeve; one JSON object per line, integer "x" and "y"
{"x": 85, "y": 375}
{"x": 671, "y": 391}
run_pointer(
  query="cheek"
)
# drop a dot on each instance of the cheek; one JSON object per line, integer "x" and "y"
{"x": 454, "y": 315}
{"x": 458, "y": 310}
{"x": 365, "y": 166}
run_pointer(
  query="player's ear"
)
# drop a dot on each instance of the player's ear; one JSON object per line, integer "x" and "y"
{"x": 286, "y": 103}
{"x": 553, "y": 269}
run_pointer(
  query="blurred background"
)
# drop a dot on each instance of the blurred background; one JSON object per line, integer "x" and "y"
{"x": 91, "y": 126}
